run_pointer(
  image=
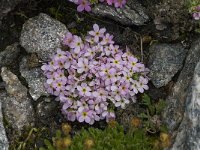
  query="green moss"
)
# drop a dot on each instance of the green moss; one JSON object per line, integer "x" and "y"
{"x": 113, "y": 137}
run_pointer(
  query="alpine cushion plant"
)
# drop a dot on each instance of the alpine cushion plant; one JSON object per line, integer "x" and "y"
{"x": 93, "y": 76}
{"x": 86, "y": 4}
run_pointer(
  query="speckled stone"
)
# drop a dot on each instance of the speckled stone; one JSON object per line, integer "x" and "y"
{"x": 174, "y": 111}
{"x": 4, "y": 145}
{"x": 9, "y": 55}
{"x": 42, "y": 35}
{"x": 131, "y": 14}
{"x": 34, "y": 78}
{"x": 188, "y": 137}
{"x": 17, "y": 107}
{"x": 165, "y": 60}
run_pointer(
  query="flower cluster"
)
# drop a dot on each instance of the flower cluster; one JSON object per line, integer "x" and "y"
{"x": 86, "y": 4}
{"x": 93, "y": 76}
{"x": 196, "y": 13}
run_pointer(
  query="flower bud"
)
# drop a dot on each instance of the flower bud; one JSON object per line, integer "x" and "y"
{"x": 135, "y": 122}
{"x": 89, "y": 143}
{"x": 66, "y": 128}
{"x": 165, "y": 140}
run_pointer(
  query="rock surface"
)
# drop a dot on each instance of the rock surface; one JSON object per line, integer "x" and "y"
{"x": 131, "y": 14}
{"x": 173, "y": 113}
{"x": 165, "y": 61}
{"x": 17, "y": 107}
{"x": 42, "y": 35}
{"x": 4, "y": 145}
{"x": 188, "y": 136}
{"x": 9, "y": 55}
{"x": 34, "y": 78}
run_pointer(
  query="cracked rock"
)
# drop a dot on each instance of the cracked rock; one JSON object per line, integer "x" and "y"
{"x": 165, "y": 61}
{"x": 188, "y": 136}
{"x": 9, "y": 55}
{"x": 34, "y": 78}
{"x": 174, "y": 111}
{"x": 4, "y": 145}
{"x": 17, "y": 106}
{"x": 42, "y": 35}
{"x": 131, "y": 14}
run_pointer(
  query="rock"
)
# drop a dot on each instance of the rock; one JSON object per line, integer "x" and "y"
{"x": 173, "y": 113}
{"x": 9, "y": 55}
{"x": 17, "y": 107}
{"x": 6, "y": 6}
{"x": 131, "y": 14}
{"x": 34, "y": 78}
{"x": 126, "y": 38}
{"x": 4, "y": 145}
{"x": 42, "y": 35}
{"x": 46, "y": 110}
{"x": 188, "y": 136}
{"x": 165, "y": 61}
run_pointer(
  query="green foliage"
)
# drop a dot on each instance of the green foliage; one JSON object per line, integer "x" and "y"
{"x": 112, "y": 138}
{"x": 28, "y": 139}
{"x": 154, "y": 109}
{"x": 151, "y": 117}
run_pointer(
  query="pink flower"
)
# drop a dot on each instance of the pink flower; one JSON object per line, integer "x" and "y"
{"x": 97, "y": 33}
{"x": 68, "y": 39}
{"x": 122, "y": 103}
{"x": 196, "y": 15}
{"x": 83, "y": 5}
{"x": 141, "y": 85}
{"x": 83, "y": 65}
{"x": 85, "y": 115}
{"x": 59, "y": 85}
{"x": 84, "y": 89}
{"x": 92, "y": 76}
{"x": 110, "y": 2}
{"x": 59, "y": 75}
{"x": 119, "y": 3}
{"x": 107, "y": 39}
{"x": 77, "y": 44}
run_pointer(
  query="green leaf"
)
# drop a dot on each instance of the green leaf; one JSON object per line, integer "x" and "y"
{"x": 48, "y": 145}
{"x": 42, "y": 148}
{"x": 152, "y": 110}
{"x": 160, "y": 106}
{"x": 143, "y": 116}
{"x": 146, "y": 100}
{"x": 58, "y": 134}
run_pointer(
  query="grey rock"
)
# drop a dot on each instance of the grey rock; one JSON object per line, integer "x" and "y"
{"x": 131, "y": 14}
{"x": 4, "y": 145}
{"x": 6, "y": 6}
{"x": 46, "y": 110}
{"x": 188, "y": 136}
{"x": 165, "y": 61}
{"x": 17, "y": 106}
{"x": 42, "y": 35}
{"x": 34, "y": 78}
{"x": 173, "y": 113}
{"x": 9, "y": 55}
